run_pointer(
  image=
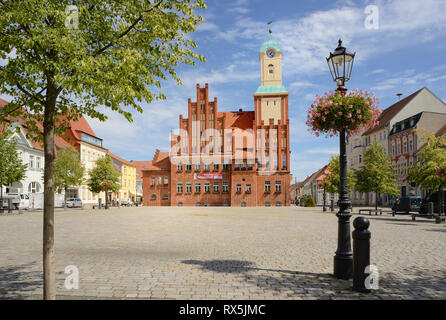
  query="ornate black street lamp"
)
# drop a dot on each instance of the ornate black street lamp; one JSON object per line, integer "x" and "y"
{"x": 340, "y": 63}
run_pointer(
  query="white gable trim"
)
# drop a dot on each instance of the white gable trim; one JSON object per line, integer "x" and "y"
{"x": 21, "y": 135}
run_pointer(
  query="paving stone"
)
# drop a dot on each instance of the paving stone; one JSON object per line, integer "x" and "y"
{"x": 217, "y": 253}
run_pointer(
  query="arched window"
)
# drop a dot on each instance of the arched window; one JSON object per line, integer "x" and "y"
{"x": 197, "y": 204}
{"x": 243, "y": 204}
{"x": 270, "y": 69}
{"x": 267, "y": 204}
{"x": 180, "y": 204}
{"x": 278, "y": 204}
{"x": 153, "y": 197}
{"x": 165, "y": 197}
{"x": 34, "y": 187}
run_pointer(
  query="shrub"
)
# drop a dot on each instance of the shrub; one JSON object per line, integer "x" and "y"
{"x": 310, "y": 202}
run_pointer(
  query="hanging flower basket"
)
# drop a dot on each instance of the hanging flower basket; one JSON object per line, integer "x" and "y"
{"x": 354, "y": 112}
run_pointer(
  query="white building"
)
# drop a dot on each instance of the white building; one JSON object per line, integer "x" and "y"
{"x": 32, "y": 155}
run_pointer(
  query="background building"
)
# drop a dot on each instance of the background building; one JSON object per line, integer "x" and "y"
{"x": 420, "y": 102}
{"x": 80, "y": 136}
{"x": 128, "y": 179}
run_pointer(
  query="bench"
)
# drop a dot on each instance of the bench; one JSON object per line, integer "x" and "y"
{"x": 371, "y": 210}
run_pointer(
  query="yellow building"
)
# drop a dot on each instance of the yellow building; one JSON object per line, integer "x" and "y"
{"x": 128, "y": 179}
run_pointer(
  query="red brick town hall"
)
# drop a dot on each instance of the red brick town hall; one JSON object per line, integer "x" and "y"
{"x": 239, "y": 158}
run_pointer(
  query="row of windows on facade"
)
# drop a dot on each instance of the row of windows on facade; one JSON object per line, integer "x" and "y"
{"x": 212, "y": 145}
{"x": 225, "y": 187}
{"x": 404, "y": 144}
{"x": 129, "y": 183}
{"x": 402, "y": 165}
{"x": 237, "y": 165}
{"x": 226, "y": 204}
{"x": 91, "y": 155}
{"x": 382, "y": 136}
{"x": 33, "y": 162}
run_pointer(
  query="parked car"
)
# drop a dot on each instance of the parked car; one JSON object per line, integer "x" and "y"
{"x": 126, "y": 202}
{"x": 432, "y": 197}
{"x": 19, "y": 200}
{"x": 407, "y": 204}
{"x": 74, "y": 203}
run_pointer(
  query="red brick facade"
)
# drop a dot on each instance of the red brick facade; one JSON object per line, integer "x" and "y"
{"x": 209, "y": 166}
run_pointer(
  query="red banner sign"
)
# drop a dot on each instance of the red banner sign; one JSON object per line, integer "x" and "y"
{"x": 208, "y": 176}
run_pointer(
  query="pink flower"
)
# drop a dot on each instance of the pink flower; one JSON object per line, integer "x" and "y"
{"x": 332, "y": 122}
{"x": 340, "y": 113}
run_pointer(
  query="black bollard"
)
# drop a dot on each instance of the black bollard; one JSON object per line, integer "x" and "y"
{"x": 100, "y": 203}
{"x": 332, "y": 205}
{"x": 361, "y": 253}
{"x": 430, "y": 208}
{"x": 1, "y": 205}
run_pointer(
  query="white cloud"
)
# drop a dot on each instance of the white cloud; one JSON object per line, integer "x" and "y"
{"x": 301, "y": 84}
{"x": 323, "y": 151}
{"x": 308, "y": 40}
{"x": 239, "y": 10}
{"x": 378, "y": 71}
{"x": 408, "y": 78}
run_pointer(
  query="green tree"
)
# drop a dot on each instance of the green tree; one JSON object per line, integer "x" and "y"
{"x": 68, "y": 171}
{"x": 66, "y": 61}
{"x": 376, "y": 174}
{"x": 104, "y": 177}
{"x": 12, "y": 168}
{"x": 332, "y": 179}
{"x": 426, "y": 171}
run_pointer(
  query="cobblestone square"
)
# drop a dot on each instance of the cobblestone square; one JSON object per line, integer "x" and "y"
{"x": 216, "y": 253}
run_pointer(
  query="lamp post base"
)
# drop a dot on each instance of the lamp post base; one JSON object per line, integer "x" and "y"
{"x": 343, "y": 267}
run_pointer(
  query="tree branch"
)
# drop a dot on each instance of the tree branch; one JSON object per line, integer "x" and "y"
{"x": 130, "y": 28}
{"x": 30, "y": 95}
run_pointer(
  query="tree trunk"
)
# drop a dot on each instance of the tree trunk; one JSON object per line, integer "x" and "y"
{"x": 440, "y": 195}
{"x": 1, "y": 197}
{"x": 376, "y": 200}
{"x": 49, "y": 285}
{"x": 65, "y": 199}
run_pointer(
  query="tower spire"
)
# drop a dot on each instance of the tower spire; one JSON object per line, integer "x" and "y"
{"x": 270, "y": 31}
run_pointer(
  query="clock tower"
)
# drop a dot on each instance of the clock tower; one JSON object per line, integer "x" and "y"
{"x": 270, "y": 57}
{"x": 271, "y": 97}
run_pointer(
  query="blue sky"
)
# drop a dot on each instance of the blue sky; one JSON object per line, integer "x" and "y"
{"x": 405, "y": 53}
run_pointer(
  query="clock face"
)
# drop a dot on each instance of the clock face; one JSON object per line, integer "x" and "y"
{"x": 270, "y": 53}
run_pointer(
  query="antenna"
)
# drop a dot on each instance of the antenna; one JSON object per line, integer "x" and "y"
{"x": 399, "y": 96}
